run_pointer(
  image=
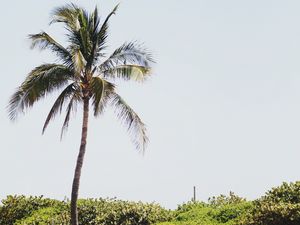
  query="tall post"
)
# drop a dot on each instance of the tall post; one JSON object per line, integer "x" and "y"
{"x": 194, "y": 196}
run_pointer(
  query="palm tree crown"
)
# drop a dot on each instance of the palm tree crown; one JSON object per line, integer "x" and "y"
{"x": 83, "y": 72}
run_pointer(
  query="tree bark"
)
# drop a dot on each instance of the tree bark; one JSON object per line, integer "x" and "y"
{"x": 76, "y": 179}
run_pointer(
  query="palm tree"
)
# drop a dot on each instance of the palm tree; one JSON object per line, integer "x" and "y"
{"x": 85, "y": 76}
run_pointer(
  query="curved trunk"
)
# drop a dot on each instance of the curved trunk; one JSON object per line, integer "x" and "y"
{"x": 76, "y": 179}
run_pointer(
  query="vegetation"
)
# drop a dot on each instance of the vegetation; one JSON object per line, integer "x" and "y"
{"x": 219, "y": 210}
{"x": 83, "y": 76}
{"x": 279, "y": 206}
{"x": 19, "y": 210}
{"x": 16, "y": 208}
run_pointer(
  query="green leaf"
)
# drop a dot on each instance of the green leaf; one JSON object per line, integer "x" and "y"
{"x": 66, "y": 94}
{"x": 127, "y": 54}
{"x": 128, "y": 72}
{"x": 101, "y": 91}
{"x": 44, "y": 40}
{"x": 128, "y": 117}
{"x": 40, "y": 81}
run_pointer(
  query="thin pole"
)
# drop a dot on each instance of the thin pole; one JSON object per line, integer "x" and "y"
{"x": 194, "y": 198}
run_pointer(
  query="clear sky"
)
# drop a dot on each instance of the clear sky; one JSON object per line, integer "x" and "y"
{"x": 222, "y": 108}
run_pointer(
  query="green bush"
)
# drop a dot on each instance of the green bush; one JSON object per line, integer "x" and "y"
{"x": 17, "y": 207}
{"x": 194, "y": 213}
{"x": 228, "y": 208}
{"x": 280, "y": 206}
{"x": 19, "y": 210}
{"x": 46, "y": 216}
{"x": 231, "y": 213}
{"x": 222, "y": 209}
{"x": 112, "y": 211}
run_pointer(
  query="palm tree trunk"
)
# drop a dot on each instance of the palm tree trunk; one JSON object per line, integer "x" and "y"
{"x": 76, "y": 180}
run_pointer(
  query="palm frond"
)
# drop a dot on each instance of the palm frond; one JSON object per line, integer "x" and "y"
{"x": 102, "y": 34}
{"x": 101, "y": 91}
{"x": 128, "y": 53}
{"x": 68, "y": 15}
{"x": 58, "y": 104}
{"x": 75, "y": 20}
{"x": 93, "y": 26}
{"x": 98, "y": 36}
{"x": 94, "y": 21}
{"x": 71, "y": 107}
{"x": 136, "y": 127}
{"x": 128, "y": 72}
{"x": 40, "y": 81}
{"x": 85, "y": 42}
{"x": 44, "y": 40}
{"x": 79, "y": 61}
{"x": 83, "y": 17}
{"x": 84, "y": 32}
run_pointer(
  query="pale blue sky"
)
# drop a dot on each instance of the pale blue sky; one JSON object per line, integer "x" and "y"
{"x": 222, "y": 107}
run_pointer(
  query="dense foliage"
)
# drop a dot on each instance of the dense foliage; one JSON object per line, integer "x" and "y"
{"x": 19, "y": 210}
{"x": 279, "y": 206}
{"x": 16, "y": 208}
{"x": 223, "y": 209}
